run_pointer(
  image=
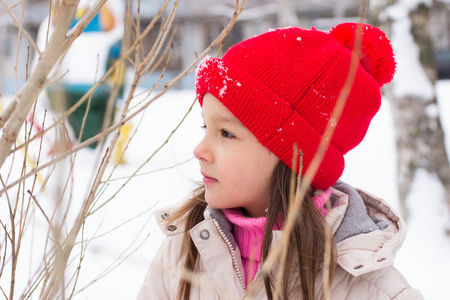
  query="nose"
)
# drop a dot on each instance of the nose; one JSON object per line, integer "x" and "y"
{"x": 202, "y": 151}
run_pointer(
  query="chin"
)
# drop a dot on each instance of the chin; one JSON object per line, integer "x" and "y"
{"x": 215, "y": 204}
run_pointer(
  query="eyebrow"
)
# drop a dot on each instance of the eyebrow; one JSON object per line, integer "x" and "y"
{"x": 224, "y": 119}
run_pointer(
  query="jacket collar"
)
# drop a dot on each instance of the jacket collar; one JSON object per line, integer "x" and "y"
{"x": 366, "y": 229}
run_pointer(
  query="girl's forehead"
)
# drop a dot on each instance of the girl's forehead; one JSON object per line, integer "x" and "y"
{"x": 216, "y": 111}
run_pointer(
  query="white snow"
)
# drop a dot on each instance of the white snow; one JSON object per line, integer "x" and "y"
{"x": 432, "y": 111}
{"x": 424, "y": 259}
{"x": 412, "y": 4}
{"x": 443, "y": 96}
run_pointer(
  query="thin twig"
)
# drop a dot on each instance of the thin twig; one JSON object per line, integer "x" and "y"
{"x": 14, "y": 5}
{"x": 19, "y": 24}
{"x": 40, "y": 208}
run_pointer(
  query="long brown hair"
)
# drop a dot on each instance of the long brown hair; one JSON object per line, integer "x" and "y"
{"x": 305, "y": 257}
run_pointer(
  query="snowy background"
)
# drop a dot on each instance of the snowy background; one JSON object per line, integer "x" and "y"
{"x": 424, "y": 258}
{"x": 123, "y": 236}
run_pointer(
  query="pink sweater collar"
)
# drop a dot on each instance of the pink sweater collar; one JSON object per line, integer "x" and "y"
{"x": 248, "y": 233}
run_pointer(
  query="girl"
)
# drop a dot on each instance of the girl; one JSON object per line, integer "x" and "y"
{"x": 267, "y": 94}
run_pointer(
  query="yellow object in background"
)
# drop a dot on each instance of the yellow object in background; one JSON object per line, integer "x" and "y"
{"x": 121, "y": 144}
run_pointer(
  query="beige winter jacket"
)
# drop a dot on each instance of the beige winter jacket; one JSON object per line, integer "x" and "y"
{"x": 367, "y": 231}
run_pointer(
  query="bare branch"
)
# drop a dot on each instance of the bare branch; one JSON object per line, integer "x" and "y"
{"x": 58, "y": 44}
{"x": 62, "y": 236}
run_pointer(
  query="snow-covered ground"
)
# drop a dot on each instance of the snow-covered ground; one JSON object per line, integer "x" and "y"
{"x": 123, "y": 253}
{"x": 424, "y": 258}
{"x": 126, "y": 251}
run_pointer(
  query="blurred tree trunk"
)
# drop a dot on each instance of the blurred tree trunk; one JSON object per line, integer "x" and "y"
{"x": 419, "y": 134}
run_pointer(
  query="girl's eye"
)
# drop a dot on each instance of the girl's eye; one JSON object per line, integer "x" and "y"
{"x": 223, "y": 132}
{"x": 226, "y": 134}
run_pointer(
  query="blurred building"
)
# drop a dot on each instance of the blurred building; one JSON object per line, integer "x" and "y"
{"x": 199, "y": 22}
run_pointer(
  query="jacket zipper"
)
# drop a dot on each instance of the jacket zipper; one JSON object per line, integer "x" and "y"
{"x": 232, "y": 252}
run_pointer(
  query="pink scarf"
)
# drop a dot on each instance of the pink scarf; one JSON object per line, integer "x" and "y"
{"x": 249, "y": 232}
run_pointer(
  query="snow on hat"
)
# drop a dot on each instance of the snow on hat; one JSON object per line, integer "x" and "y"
{"x": 283, "y": 85}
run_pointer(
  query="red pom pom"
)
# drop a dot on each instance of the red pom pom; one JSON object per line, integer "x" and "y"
{"x": 377, "y": 56}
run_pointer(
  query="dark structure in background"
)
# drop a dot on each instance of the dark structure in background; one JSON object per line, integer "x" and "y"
{"x": 440, "y": 29}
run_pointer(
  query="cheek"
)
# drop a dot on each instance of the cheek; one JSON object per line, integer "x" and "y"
{"x": 251, "y": 174}
{"x": 263, "y": 167}
{"x": 235, "y": 173}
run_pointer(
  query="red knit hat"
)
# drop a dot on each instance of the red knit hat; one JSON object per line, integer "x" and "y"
{"x": 283, "y": 85}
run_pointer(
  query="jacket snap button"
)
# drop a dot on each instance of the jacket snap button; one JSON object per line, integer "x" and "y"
{"x": 165, "y": 216}
{"x": 358, "y": 267}
{"x": 172, "y": 228}
{"x": 204, "y": 234}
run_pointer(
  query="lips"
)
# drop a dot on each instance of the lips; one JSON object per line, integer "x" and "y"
{"x": 208, "y": 179}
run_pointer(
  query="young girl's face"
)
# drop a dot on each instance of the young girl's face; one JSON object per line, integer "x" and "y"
{"x": 236, "y": 168}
